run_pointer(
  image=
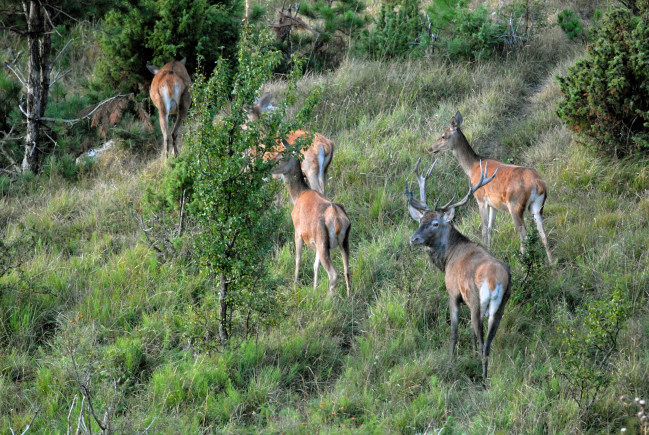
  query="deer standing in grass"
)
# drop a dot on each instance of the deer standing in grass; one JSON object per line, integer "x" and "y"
{"x": 170, "y": 94}
{"x": 318, "y": 222}
{"x": 316, "y": 158}
{"x": 472, "y": 274}
{"x": 515, "y": 189}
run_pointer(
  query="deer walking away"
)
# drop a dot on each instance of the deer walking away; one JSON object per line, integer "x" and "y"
{"x": 472, "y": 274}
{"x": 316, "y": 158}
{"x": 516, "y": 188}
{"x": 170, "y": 94}
{"x": 319, "y": 222}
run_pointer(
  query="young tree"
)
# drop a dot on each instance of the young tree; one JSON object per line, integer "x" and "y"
{"x": 232, "y": 199}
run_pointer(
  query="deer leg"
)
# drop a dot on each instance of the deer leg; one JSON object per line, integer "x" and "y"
{"x": 345, "y": 251}
{"x": 164, "y": 127}
{"x": 299, "y": 244}
{"x": 180, "y": 117}
{"x": 494, "y": 321}
{"x": 519, "y": 223}
{"x": 477, "y": 329}
{"x": 537, "y": 213}
{"x": 484, "y": 217}
{"x": 490, "y": 225}
{"x": 325, "y": 260}
{"x": 453, "y": 308}
{"x": 316, "y": 266}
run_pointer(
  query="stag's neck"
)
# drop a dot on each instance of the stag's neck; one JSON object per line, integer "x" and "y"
{"x": 466, "y": 157}
{"x": 442, "y": 252}
{"x": 296, "y": 185}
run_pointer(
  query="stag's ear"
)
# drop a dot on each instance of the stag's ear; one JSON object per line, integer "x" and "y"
{"x": 154, "y": 69}
{"x": 449, "y": 214}
{"x": 264, "y": 103}
{"x": 183, "y": 60}
{"x": 456, "y": 121}
{"x": 416, "y": 213}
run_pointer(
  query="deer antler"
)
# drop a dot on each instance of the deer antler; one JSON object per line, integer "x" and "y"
{"x": 473, "y": 188}
{"x": 421, "y": 179}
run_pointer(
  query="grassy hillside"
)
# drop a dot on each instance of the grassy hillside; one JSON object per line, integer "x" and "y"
{"x": 91, "y": 306}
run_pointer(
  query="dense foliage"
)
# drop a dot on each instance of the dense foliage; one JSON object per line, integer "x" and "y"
{"x": 158, "y": 31}
{"x": 606, "y": 93}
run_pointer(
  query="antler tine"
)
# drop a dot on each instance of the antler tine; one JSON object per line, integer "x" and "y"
{"x": 415, "y": 203}
{"x": 473, "y": 188}
{"x": 421, "y": 179}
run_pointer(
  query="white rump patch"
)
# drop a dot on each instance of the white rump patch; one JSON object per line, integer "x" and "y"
{"x": 490, "y": 300}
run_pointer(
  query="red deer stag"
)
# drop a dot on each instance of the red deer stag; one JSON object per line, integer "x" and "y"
{"x": 515, "y": 189}
{"x": 170, "y": 94}
{"x": 472, "y": 274}
{"x": 322, "y": 224}
{"x": 316, "y": 158}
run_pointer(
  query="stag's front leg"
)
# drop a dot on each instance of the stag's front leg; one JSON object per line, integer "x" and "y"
{"x": 299, "y": 244}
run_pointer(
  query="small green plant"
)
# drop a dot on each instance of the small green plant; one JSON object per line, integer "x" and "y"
{"x": 569, "y": 22}
{"x": 589, "y": 341}
{"x": 531, "y": 289}
{"x": 606, "y": 94}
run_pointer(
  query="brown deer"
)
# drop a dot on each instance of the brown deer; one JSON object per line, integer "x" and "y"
{"x": 515, "y": 189}
{"x": 170, "y": 94}
{"x": 472, "y": 274}
{"x": 318, "y": 222}
{"x": 316, "y": 158}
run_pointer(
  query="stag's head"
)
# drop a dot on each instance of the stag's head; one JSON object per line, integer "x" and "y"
{"x": 435, "y": 225}
{"x": 447, "y": 140}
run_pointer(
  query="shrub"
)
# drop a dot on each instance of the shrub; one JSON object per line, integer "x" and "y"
{"x": 232, "y": 199}
{"x": 570, "y": 23}
{"x": 606, "y": 94}
{"x": 589, "y": 342}
{"x": 398, "y": 31}
{"x": 158, "y": 31}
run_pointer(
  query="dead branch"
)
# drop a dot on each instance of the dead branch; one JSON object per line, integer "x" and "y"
{"x": 14, "y": 69}
{"x": 74, "y": 121}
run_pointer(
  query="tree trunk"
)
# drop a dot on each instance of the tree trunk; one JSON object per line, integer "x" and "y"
{"x": 223, "y": 321}
{"x": 38, "y": 82}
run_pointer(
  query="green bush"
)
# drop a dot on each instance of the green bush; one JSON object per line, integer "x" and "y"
{"x": 570, "y": 23}
{"x": 158, "y": 31}
{"x": 606, "y": 94}
{"x": 398, "y": 31}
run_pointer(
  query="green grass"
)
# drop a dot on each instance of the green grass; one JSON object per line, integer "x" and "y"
{"x": 90, "y": 298}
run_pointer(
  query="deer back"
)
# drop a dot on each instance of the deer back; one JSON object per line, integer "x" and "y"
{"x": 512, "y": 186}
{"x": 170, "y": 86}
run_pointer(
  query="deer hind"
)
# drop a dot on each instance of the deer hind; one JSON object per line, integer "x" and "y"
{"x": 472, "y": 274}
{"x": 318, "y": 222}
{"x": 316, "y": 158}
{"x": 515, "y": 189}
{"x": 170, "y": 94}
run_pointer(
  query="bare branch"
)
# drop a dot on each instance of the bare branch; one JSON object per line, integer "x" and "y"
{"x": 58, "y": 56}
{"x": 14, "y": 69}
{"x": 59, "y": 75}
{"x": 31, "y": 422}
{"x": 73, "y": 121}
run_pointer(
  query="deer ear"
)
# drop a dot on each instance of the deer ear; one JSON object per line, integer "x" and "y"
{"x": 456, "y": 120}
{"x": 183, "y": 60}
{"x": 264, "y": 102}
{"x": 154, "y": 69}
{"x": 415, "y": 213}
{"x": 449, "y": 214}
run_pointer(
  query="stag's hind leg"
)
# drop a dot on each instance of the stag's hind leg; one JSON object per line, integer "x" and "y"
{"x": 345, "y": 251}
{"x": 536, "y": 208}
{"x": 164, "y": 127}
{"x": 322, "y": 253}
{"x": 519, "y": 223}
